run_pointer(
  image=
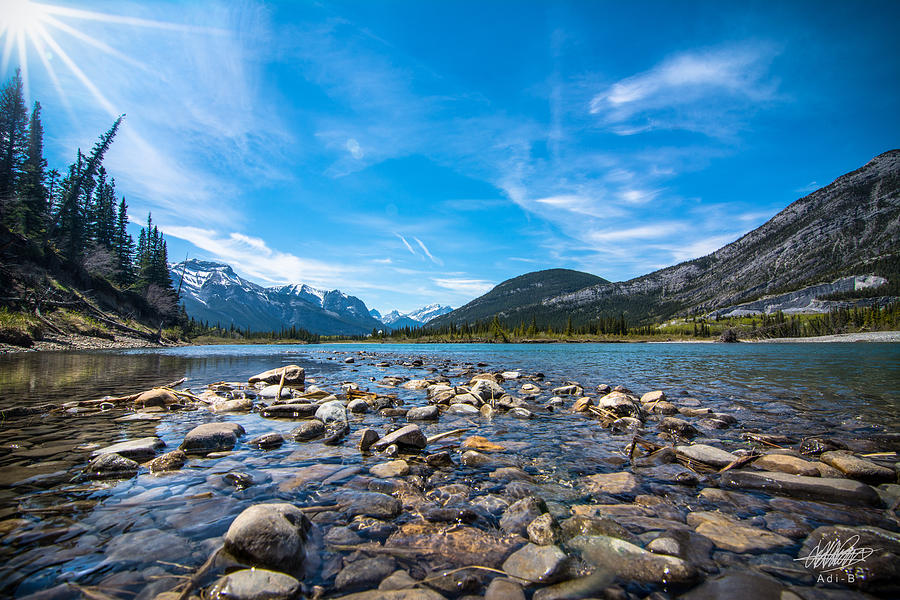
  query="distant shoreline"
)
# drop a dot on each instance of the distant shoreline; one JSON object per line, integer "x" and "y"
{"x": 75, "y": 342}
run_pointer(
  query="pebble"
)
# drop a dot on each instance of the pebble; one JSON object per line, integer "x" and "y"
{"x": 139, "y": 449}
{"x": 543, "y": 530}
{"x": 629, "y": 561}
{"x": 481, "y": 444}
{"x": 358, "y": 406}
{"x": 394, "y": 468}
{"x": 729, "y": 533}
{"x": 786, "y": 464}
{"x": 267, "y": 441}
{"x": 367, "y": 438}
{"x": 364, "y": 573}
{"x": 521, "y": 513}
{"x": 422, "y": 413}
{"x": 332, "y": 412}
{"x": 612, "y": 483}
{"x": 709, "y": 455}
{"x": 170, "y": 461}
{"x": 308, "y": 430}
{"x": 409, "y": 436}
{"x": 271, "y": 392}
{"x": 112, "y": 465}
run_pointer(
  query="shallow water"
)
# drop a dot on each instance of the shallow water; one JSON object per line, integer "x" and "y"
{"x": 125, "y": 535}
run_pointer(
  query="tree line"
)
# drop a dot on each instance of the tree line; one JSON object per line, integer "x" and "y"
{"x": 77, "y": 213}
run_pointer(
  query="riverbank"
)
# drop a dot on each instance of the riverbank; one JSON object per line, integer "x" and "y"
{"x": 57, "y": 342}
{"x": 863, "y": 336}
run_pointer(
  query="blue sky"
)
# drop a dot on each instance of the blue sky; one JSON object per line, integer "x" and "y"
{"x": 419, "y": 152}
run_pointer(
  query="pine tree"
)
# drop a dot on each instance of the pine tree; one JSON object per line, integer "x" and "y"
{"x": 33, "y": 191}
{"x": 13, "y": 146}
{"x": 123, "y": 245}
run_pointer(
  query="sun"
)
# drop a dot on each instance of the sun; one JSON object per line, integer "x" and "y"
{"x": 19, "y": 17}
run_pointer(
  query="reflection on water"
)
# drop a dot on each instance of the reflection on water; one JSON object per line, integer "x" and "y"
{"x": 115, "y": 533}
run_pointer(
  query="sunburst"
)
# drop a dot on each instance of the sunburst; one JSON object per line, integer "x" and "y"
{"x": 42, "y": 28}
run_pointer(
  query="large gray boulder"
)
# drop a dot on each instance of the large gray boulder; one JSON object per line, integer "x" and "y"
{"x": 140, "y": 449}
{"x": 272, "y": 536}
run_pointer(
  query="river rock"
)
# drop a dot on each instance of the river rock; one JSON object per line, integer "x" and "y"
{"x": 255, "y": 584}
{"x": 857, "y": 467}
{"x": 591, "y": 586}
{"x": 358, "y": 406}
{"x": 410, "y": 594}
{"x": 495, "y": 377}
{"x": 367, "y": 437}
{"x": 486, "y": 390}
{"x": 211, "y": 437}
{"x": 293, "y": 376}
{"x": 730, "y": 534}
{"x": 140, "y": 449}
{"x": 267, "y": 441}
{"x": 620, "y": 404}
{"x": 481, "y": 444}
{"x": 332, "y": 412}
{"x": 504, "y": 589}
{"x": 458, "y": 408}
{"x": 521, "y": 413}
{"x": 612, "y": 483}
{"x": 271, "y": 392}
{"x": 568, "y": 390}
{"x": 409, "y": 436}
{"x": 112, "y": 465}
{"x": 170, "y": 461}
{"x": 422, "y": 413}
{"x": 678, "y": 427}
{"x": 416, "y": 384}
{"x": 364, "y": 573}
{"x": 521, "y": 513}
{"x": 536, "y": 564}
{"x": 823, "y": 489}
{"x": 156, "y": 397}
{"x": 289, "y": 411}
{"x": 543, "y": 530}
{"x": 632, "y": 562}
{"x": 308, "y": 430}
{"x": 370, "y": 504}
{"x": 709, "y": 455}
{"x": 785, "y": 463}
{"x": 738, "y": 582}
{"x": 657, "y": 396}
{"x": 269, "y": 535}
{"x": 239, "y": 405}
{"x": 459, "y": 546}
{"x": 394, "y": 468}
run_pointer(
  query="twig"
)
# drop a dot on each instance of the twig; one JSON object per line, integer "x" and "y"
{"x": 378, "y": 549}
{"x": 281, "y": 385}
{"x": 453, "y": 571}
{"x": 441, "y": 436}
{"x": 193, "y": 581}
{"x": 739, "y": 462}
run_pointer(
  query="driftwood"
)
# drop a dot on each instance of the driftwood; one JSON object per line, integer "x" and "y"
{"x": 441, "y": 436}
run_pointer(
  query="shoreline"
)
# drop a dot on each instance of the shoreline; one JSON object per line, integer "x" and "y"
{"x": 56, "y": 343}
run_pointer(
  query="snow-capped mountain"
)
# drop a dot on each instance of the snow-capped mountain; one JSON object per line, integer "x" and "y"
{"x": 395, "y": 319}
{"x": 213, "y": 292}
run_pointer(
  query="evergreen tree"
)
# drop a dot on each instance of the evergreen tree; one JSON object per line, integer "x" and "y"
{"x": 123, "y": 245}
{"x": 13, "y": 145}
{"x": 32, "y": 188}
{"x": 103, "y": 212}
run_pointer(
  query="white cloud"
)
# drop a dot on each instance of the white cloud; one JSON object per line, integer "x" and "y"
{"x": 641, "y": 232}
{"x": 254, "y": 258}
{"x": 354, "y": 148}
{"x": 696, "y": 91}
{"x": 468, "y": 287}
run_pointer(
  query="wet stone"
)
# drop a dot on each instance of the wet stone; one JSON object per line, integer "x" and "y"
{"x": 170, "y": 461}
{"x": 269, "y": 535}
{"x": 394, "y": 468}
{"x": 857, "y": 467}
{"x": 409, "y": 436}
{"x": 358, "y": 406}
{"x": 816, "y": 488}
{"x": 370, "y": 504}
{"x": 439, "y": 460}
{"x": 536, "y": 564}
{"x": 591, "y": 586}
{"x": 255, "y": 584}
{"x": 612, "y": 483}
{"x": 629, "y": 561}
{"x": 241, "y": 405}
{"x": 267, "y": 441}
{"x": 342, "y": 536}
{"x": 211, "y": 437}
{"x": 738, "y": 583}
{"x": 706, "y": 454}
{"x": 481, "y": 444}
{"x": 271, "y": 392}
{"x": 332, "y": 412}
{"x": 522, "y": 512}
{"x": 365, "y": 573}
{"x": 786, "y": 464}
{"x": 367, "y": 438}
{"x": 289, "y": 411}
{"x": 140, "y": 449}
{"x": 543, "y": 530}
{"x": 156, "y": 397}
{"x": 730, "y": 534}
{"x": 678, "y": 427}
{"x": 308, "y": 430}
{"x": 112, "y": 465}
{"x": 460, "y": 545}
{"x": 293, "y": 375}
{"x": 504, "y": 589}
{"x": 422, "y": 413}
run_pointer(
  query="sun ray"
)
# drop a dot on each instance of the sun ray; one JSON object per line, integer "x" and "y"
{"x": 54, "y": 22}
{"x": 23, "y": 64}
{"x": 7, "y": 48}
{"x": 77, "y": 13}
{"x": 41, "y": 51}
{"x": 76, "y": 70}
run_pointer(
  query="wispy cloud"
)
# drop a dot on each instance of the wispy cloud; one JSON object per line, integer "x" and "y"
{"x": 467, "y": 287}
{"x": 697, "y": 91}
{"x": 406, "y": 243}
{"x": 427, "y": 253}
{"x": 252, "y": 257}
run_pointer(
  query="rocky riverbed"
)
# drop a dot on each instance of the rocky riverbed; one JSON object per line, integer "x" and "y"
{"x": 423, "y": 478}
